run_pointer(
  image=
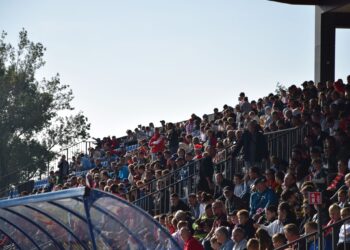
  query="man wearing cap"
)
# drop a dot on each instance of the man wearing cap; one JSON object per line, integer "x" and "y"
{"x": 220, "y": 183}
{"x": 263, "y": 197}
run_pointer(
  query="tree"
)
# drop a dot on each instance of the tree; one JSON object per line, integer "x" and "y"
{"x": 280, "y": 88}
{"x": 32, "y": 126}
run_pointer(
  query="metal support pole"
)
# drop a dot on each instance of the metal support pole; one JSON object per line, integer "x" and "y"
{"x": 320, "y": 233}
{"x": 88, "y": 218}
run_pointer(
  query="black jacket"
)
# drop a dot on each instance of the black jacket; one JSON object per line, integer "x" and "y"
{"x": 261, "y": 150}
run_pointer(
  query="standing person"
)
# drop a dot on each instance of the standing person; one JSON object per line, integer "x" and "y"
{"x": 63, "y": 168}
{"x": 173, "y": 138}
{"x": 254, "y": 146}
{"x": 156, "y": 143}
{"x": 206, "y": 172}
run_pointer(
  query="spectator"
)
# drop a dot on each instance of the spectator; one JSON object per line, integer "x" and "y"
{"x": 204, "y": 223}
{"x": 342, "y": 198}
{"x": 63, "y": 168}
{"x": 344, "y": 239}
{"x": 214, "y": 244}
{"x": 223, "y": 238}
{"x": 285, "y": 216}
{"x": 190, "y": 242}
{"x": 269, "y": 217}
{"x": 334, "y": 214}
{"x": 271, "y": 181}
{"x": 263, "y": 197}
{"x": 254, "y": 146}
{"x": 238, "y": 237}
{"x": 292, "y": 234}
{"x": 156, "y": 143}
{"x": 338, "y": 180}
{"x": 318, "y": 174}
{"x": 220, "y": 183}
{"x": 278, "y": 240}
{"x": 177, "y": 204}
{"x": 312, "y": 241}
{"x": 246, "y": 223}
{"x": 194, "y": 205}
{"x": 253, "y": 244}
{"x": 246, "y": 106}
{"x": 308, "y": 212}
{"x": 290, "y": 183}
{"x": 232, "y": 202}
{"x": 179, "y": 224}
{"x": 161, "y": 198}
{"x": 206, "y": 172}
{"x": 221, "y": 220}
{"x": 173, "y": 138}
{"x": 264, "y": 238}
{"x": 240, "y": 186}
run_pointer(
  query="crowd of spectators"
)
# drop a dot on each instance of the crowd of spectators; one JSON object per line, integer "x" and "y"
{"x": 259, "y": 208}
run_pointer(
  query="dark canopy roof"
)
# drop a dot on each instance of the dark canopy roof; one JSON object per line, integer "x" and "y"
{"x": 79, "y": 219}
{"x": 312, "y": 2}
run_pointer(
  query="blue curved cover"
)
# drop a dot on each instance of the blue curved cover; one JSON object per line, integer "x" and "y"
{"x": 79, "y": 218}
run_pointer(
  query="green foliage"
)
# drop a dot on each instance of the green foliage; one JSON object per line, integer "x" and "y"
{"x": 279, "y": 88}
{"x": 31, "y": 126}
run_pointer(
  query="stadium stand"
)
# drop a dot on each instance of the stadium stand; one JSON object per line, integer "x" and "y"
{"x": 245, "y": 170}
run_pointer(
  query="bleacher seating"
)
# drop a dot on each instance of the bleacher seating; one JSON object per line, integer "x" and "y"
{"x": 246, "y": 161}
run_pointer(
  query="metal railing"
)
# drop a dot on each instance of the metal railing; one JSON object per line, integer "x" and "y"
{"x": 280, "y": 142}
{"x": 156, "y": 200}
{"x": 184, "y": 180}
{"x": 322, "y": 239}
{"x": 80, "y": 147}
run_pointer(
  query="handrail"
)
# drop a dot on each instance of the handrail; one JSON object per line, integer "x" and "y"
{"x": 77, "y": 143}
{"x": 271, "y": 137}
{"x": 304, "y": 237}
{"x": 196, "y": 161}
{"x": 162, "y": 189}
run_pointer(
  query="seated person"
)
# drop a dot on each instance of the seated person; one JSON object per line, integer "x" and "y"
{"x": 318, "y": 174}
{"x": 246, "y": 223}
{"x": 204, "y": 223}
{"x": 232, "y": 202}
{"x": 177, "y": 204}
{"x": 344, "y": 234}
{"x": 238, "y": 236}
{"x": 263, "y": 197}
{"x": 278, "y": 240}
{"x": 334, "y": 215}
{"x": 338, "y": 180}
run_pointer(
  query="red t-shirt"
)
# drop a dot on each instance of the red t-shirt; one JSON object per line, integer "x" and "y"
{"x": 193, "y": 244}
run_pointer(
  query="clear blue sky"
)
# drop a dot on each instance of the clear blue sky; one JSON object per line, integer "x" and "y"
{"x": 136, "y": 61}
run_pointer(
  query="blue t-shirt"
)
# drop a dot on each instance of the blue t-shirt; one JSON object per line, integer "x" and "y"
{"x": 123, "y": 172}
{"x": 262, "y": 200}
{"x": 86, "y": 163}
